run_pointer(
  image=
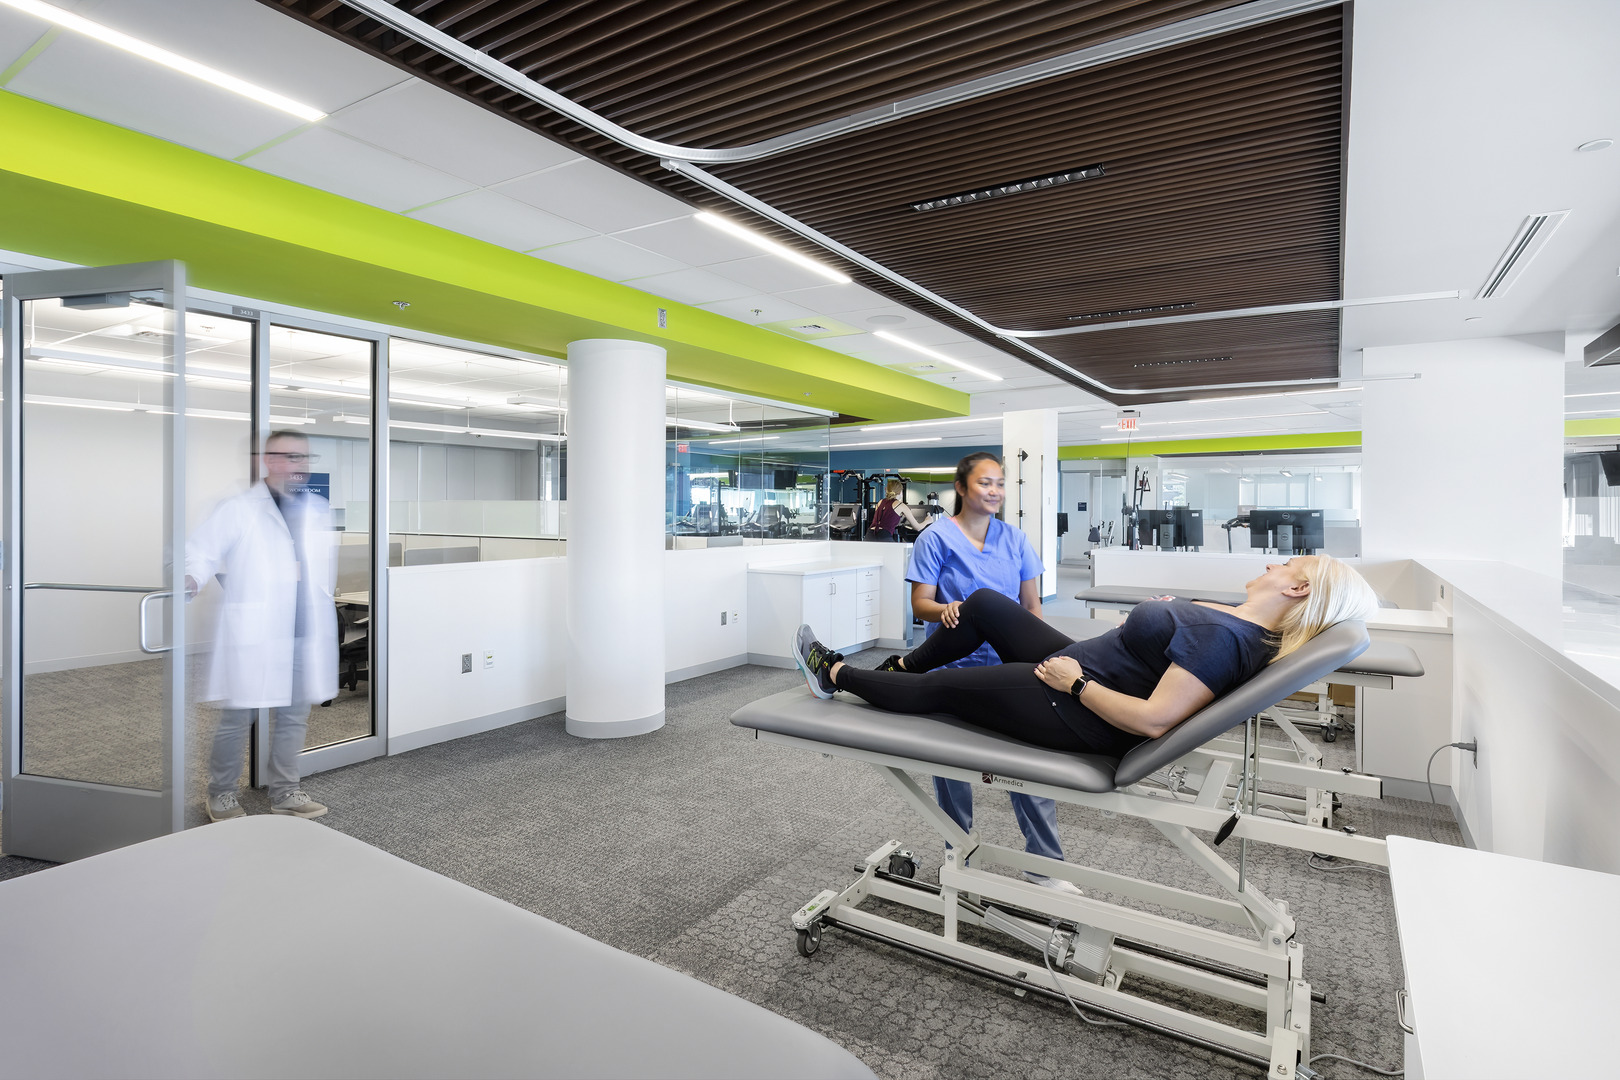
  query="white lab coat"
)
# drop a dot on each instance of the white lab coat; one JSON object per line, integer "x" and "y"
{"x": 246, "y": 540}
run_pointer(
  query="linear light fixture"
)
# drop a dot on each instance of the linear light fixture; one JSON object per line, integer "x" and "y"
{"x": 147, "y": 51}
{"x": 1016, "y": 187}
{"x": 700, "y": 425}
{"x": 1526, "y": 244}
{"x": 1178, "y": 363}
{"x": 781, "y": 251}
{"x": 1599, "y": 393}
{"x": 926, "y": 351}
{"x": 1221, "y": 419}
{"x": 1154, "y": 310}
{"x": 931, "y": 423}
{"x": 530, "y": 401}
{"x": 452, "y": 429}
{"x": 745, "y": 438}
{"x": 886, "y": 442}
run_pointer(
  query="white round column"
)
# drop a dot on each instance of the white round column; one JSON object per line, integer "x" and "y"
{"x": 615, "y": 538}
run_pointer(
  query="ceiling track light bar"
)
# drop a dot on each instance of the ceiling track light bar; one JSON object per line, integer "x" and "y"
{"x": 1233, "y": 313}
{"x": 1016, "y": 187}
{"x": 1257, "y": 13}
{"x": 1156, "y": 308}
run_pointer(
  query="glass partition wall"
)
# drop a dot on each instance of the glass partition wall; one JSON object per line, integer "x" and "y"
{"x": 477, "y": 455}
{"x": 742, "y": 472}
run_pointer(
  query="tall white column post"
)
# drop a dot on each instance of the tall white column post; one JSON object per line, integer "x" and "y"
{"x": 1034, "y": 432}
{"x": 615, "y": 538}
{"x": 1466, "y": 461}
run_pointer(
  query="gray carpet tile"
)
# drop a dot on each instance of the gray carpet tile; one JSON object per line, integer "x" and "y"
{"x": 694, "y": 844}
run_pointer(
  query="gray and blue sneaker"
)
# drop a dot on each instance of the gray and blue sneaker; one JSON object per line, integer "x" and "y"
{"x": 815, "y": 661}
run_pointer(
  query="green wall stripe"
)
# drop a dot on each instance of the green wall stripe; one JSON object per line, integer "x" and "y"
{"x": 80, "y": 190}
{"x": 1209, "y": 446}
{"x": 1598, "y": 425}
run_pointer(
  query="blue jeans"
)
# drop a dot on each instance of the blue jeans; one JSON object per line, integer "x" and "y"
{"x": 1037, "y": 817}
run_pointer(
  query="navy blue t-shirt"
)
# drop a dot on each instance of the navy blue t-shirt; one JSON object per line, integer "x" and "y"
{"x": 1218, "y": 648}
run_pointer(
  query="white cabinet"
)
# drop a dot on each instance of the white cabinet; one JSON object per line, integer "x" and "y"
{"x": 842, "y": 604}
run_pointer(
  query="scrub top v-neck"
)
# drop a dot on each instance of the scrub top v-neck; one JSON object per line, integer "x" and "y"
{"x": 945, "y": 558}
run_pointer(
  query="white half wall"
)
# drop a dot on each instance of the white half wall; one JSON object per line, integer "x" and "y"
{"x": 1465, "y": 462}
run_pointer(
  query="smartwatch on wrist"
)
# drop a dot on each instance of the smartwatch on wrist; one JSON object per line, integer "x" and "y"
{"x": 1079, "y": 686}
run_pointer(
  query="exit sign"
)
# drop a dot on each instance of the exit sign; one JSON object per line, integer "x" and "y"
{"x": 1127, "y": 423}
{"x": 683, "y": 448}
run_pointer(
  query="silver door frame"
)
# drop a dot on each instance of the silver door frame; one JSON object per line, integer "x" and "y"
{"x": 47, "y": 817}
{"x": 337, "y": 755}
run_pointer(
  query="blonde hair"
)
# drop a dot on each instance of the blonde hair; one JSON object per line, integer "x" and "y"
{"x": 892, "y": 489}
{"x": 1338, "y": 594}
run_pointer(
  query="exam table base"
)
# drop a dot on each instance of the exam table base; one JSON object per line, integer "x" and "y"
{"x": 1260, "y": 968}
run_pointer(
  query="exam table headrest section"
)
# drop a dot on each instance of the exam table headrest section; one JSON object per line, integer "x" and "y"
{"x": 1333, "y": 648}
{"x": 940, "y": 740}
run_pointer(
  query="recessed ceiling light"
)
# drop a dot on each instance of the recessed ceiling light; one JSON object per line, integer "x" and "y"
{"x": 780, "y": 251}
{"x": 1595, "y": 145}
{"x": 885, "y": 320}
{"x": 108, "y": 36}
{"x": 926, "y": 351}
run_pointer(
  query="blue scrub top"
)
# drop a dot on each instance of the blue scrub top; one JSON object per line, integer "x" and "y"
{"x": 945, "y": 558}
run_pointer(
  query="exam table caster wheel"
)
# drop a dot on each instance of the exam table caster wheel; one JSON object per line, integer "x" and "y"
{"x": 1329, "y": 735}
{"x": 902, "y": 865}
{"x": 809, "y": 941}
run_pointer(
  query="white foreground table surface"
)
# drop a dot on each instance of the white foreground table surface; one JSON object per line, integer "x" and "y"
{"x": 270, "y": 946}
{"x": 1510, "y": 963}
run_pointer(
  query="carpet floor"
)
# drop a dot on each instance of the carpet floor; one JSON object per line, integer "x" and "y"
{"x": 693, "y": 845}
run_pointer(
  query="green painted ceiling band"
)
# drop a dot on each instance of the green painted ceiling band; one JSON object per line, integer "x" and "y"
{"x": 1209, "y": 446}
{"x": 1598, "y": 425}
{"x": 81, "y": 190}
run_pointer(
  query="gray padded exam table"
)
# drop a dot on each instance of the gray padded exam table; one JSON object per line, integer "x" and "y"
{"x": 272, "y": 946}
{"x": 1092, "y": 950}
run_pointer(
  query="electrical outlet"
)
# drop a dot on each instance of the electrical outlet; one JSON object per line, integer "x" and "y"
{"x": 722, "y": 618}
{"x": 489, "y": 660}
{"x": 466, "y": 663}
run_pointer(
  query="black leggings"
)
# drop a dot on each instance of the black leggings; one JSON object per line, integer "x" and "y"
{"x": 1008, "y": 697}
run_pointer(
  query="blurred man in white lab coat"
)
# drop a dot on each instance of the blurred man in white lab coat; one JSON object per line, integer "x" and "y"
{"x": 273, "y": 550}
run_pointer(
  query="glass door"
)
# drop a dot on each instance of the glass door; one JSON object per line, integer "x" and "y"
{"x": 93, "y": 681}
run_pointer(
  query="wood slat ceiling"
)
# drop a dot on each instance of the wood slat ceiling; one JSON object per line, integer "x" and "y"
{"x": 1223, "y": 183}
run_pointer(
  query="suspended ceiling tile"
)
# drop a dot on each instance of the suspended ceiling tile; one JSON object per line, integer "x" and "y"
{"x": 595, "y": 195}
{"x": 499, "y": 220}
{"x": 835, "y": 299}
{"x": 759, "y": 308}
{"x": 769, "y": 273}
{"x": 891, "y": 317}
{"x": 18, "y": 33}
{"x": 426, "y": 124}
{"x": 345, "y": 166}
{"x": 605, "y": 257}
{"x": 691, "y": 241}
{"x": 97, "y": 80}
{"x": 251, "y": 42}
{"x": 691, "y": 286}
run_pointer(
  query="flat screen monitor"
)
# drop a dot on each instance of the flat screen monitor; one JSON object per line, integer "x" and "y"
{"x": 1610, "y": 460}
{"x": 1188, "y": 523}
{"x": 768, "y": 478}
{"x": 1307, "y": 528}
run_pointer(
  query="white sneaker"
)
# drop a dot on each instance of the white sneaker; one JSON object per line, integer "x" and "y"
{"x": 224, "y": 807}
{"x": 1055, "y": 884}
{"x": 297, "y": 804}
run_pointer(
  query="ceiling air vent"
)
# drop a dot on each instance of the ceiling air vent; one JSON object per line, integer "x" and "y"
{"x": 810, "y": 328}
{"x": 1525, "y": 246}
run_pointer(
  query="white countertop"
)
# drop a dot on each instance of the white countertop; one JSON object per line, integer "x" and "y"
{"x": 1410, "y": 619}
{"x": 1509, "y": 962}
{"x": 1575, "y": 627}
{"x": 807, "y": 569}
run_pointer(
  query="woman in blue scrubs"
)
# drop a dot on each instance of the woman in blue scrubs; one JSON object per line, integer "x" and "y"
{"x": 952, "y": 559}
